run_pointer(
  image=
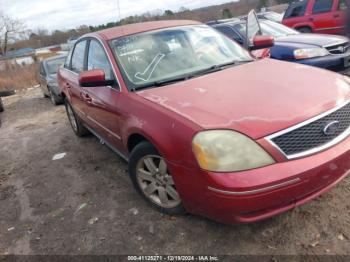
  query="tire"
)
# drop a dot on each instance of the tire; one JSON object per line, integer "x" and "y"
{"x": 151, "y": 178}
{"x": 304, "y": 30}
{"x": 76, "y": 124}
{"x": 54, "y": 99}
{"x": 7, "y": 93}
{"x": 1, "y": 106}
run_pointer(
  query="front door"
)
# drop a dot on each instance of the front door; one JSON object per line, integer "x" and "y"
{"x": 104, "y": 111}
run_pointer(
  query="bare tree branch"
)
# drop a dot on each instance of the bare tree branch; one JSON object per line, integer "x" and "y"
{"x": 9, "y": 29}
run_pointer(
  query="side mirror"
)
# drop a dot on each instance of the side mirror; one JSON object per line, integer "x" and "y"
{"x": 262, "y": 41}
{"x": 95, "y": 77}
{"x": 253, "y": 29}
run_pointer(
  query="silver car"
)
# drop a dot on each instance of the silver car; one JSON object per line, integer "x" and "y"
{"x": 48, "y": 77}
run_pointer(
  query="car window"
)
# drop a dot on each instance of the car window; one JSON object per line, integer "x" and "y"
{"x": 229, "y": 32}
{"x": 77, "y": 64}
{"x": 97, "y": 59}
{"x": 53, "y": 65}
{"x": 342, "y": 5}
{"x": 322, "y": 6}
{"x": 296, "y": 9}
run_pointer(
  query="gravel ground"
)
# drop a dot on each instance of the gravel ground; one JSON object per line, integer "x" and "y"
{"x": 84, "y": 203}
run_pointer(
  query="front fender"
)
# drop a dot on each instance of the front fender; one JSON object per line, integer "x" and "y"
{"x": 170, "y": 133}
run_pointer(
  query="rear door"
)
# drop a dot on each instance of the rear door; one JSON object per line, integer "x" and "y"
{"x": 340, "y": 16}
{"x": 103, "y": 102}
{"x": 322, "y": 16}
{"x": 76, "y": 66}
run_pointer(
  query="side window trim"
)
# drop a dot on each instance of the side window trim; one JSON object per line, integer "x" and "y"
{"x": 118, "y": 87}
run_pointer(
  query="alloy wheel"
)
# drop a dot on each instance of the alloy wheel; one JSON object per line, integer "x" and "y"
{"x": 72, "y": 118}
{"x": 155, "y": 181}
{"x": 52, "y": 97}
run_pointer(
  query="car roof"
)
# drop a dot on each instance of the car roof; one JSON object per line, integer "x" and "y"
{"x": 119, "y": 31}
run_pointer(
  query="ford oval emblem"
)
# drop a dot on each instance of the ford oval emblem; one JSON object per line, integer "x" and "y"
{"x": 331, "y": 128}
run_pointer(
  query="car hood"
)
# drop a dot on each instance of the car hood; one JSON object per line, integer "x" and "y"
{"x": 313, "y": 39}
{"x": 257, "y": 98}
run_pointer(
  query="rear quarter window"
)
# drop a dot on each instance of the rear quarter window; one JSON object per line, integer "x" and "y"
{"x": 342, "y": 5}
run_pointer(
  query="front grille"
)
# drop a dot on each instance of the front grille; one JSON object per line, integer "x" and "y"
{"x": 312, "y": 135}
{"x": 338, "y": 49}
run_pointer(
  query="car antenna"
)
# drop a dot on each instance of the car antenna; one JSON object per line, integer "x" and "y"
{"x": 119, "y": 14}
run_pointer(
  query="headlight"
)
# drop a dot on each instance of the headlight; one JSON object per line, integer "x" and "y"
{"x": 228, "y": 151}
{"x": 310, "y": 52}
{"x": 346, "y": 79}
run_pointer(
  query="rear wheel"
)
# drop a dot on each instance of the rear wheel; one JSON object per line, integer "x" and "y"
{"x": 1, "y": 105}
{"x": 54, "y": 99}
{"x": 304, "y": 29}
{"x": 76, "y": 124}
{"x": 151, "y": 178}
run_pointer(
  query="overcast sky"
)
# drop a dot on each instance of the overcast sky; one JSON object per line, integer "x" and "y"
{"x": 66, "y": 14}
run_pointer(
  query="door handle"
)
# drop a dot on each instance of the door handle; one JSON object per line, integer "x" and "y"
{"x": 87, "y": 98}
{"x": 311, "y": 19}
{"x": 336, "y": 16}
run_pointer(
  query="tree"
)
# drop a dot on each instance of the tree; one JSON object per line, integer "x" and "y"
{"x": 9, "y": 29}
{"x": 183, "y": 9}
{"x": 262, "y": 3}
{"x": 226, "y": 13}
{"x": 168, "y": 13}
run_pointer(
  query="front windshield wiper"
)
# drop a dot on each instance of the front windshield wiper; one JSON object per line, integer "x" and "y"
{"x": 218, "y": 67}
{"x": 161, "y": 83}
{"x": 211, "y": 69}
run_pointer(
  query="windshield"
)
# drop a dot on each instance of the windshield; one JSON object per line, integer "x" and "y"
{"x": 171, "y": 53}
{"x": 269, "y": 28}
{"x": 53, "y": 65}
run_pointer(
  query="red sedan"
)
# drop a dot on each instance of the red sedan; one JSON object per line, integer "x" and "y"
{"x": 206, "y": 128}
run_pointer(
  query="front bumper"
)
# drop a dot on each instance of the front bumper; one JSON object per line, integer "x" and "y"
{"x": 311, "y": 176}
{"x": 335, "y": 63}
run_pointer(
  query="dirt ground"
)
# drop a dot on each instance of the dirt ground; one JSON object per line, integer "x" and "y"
{"x": 84, "y": 203}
